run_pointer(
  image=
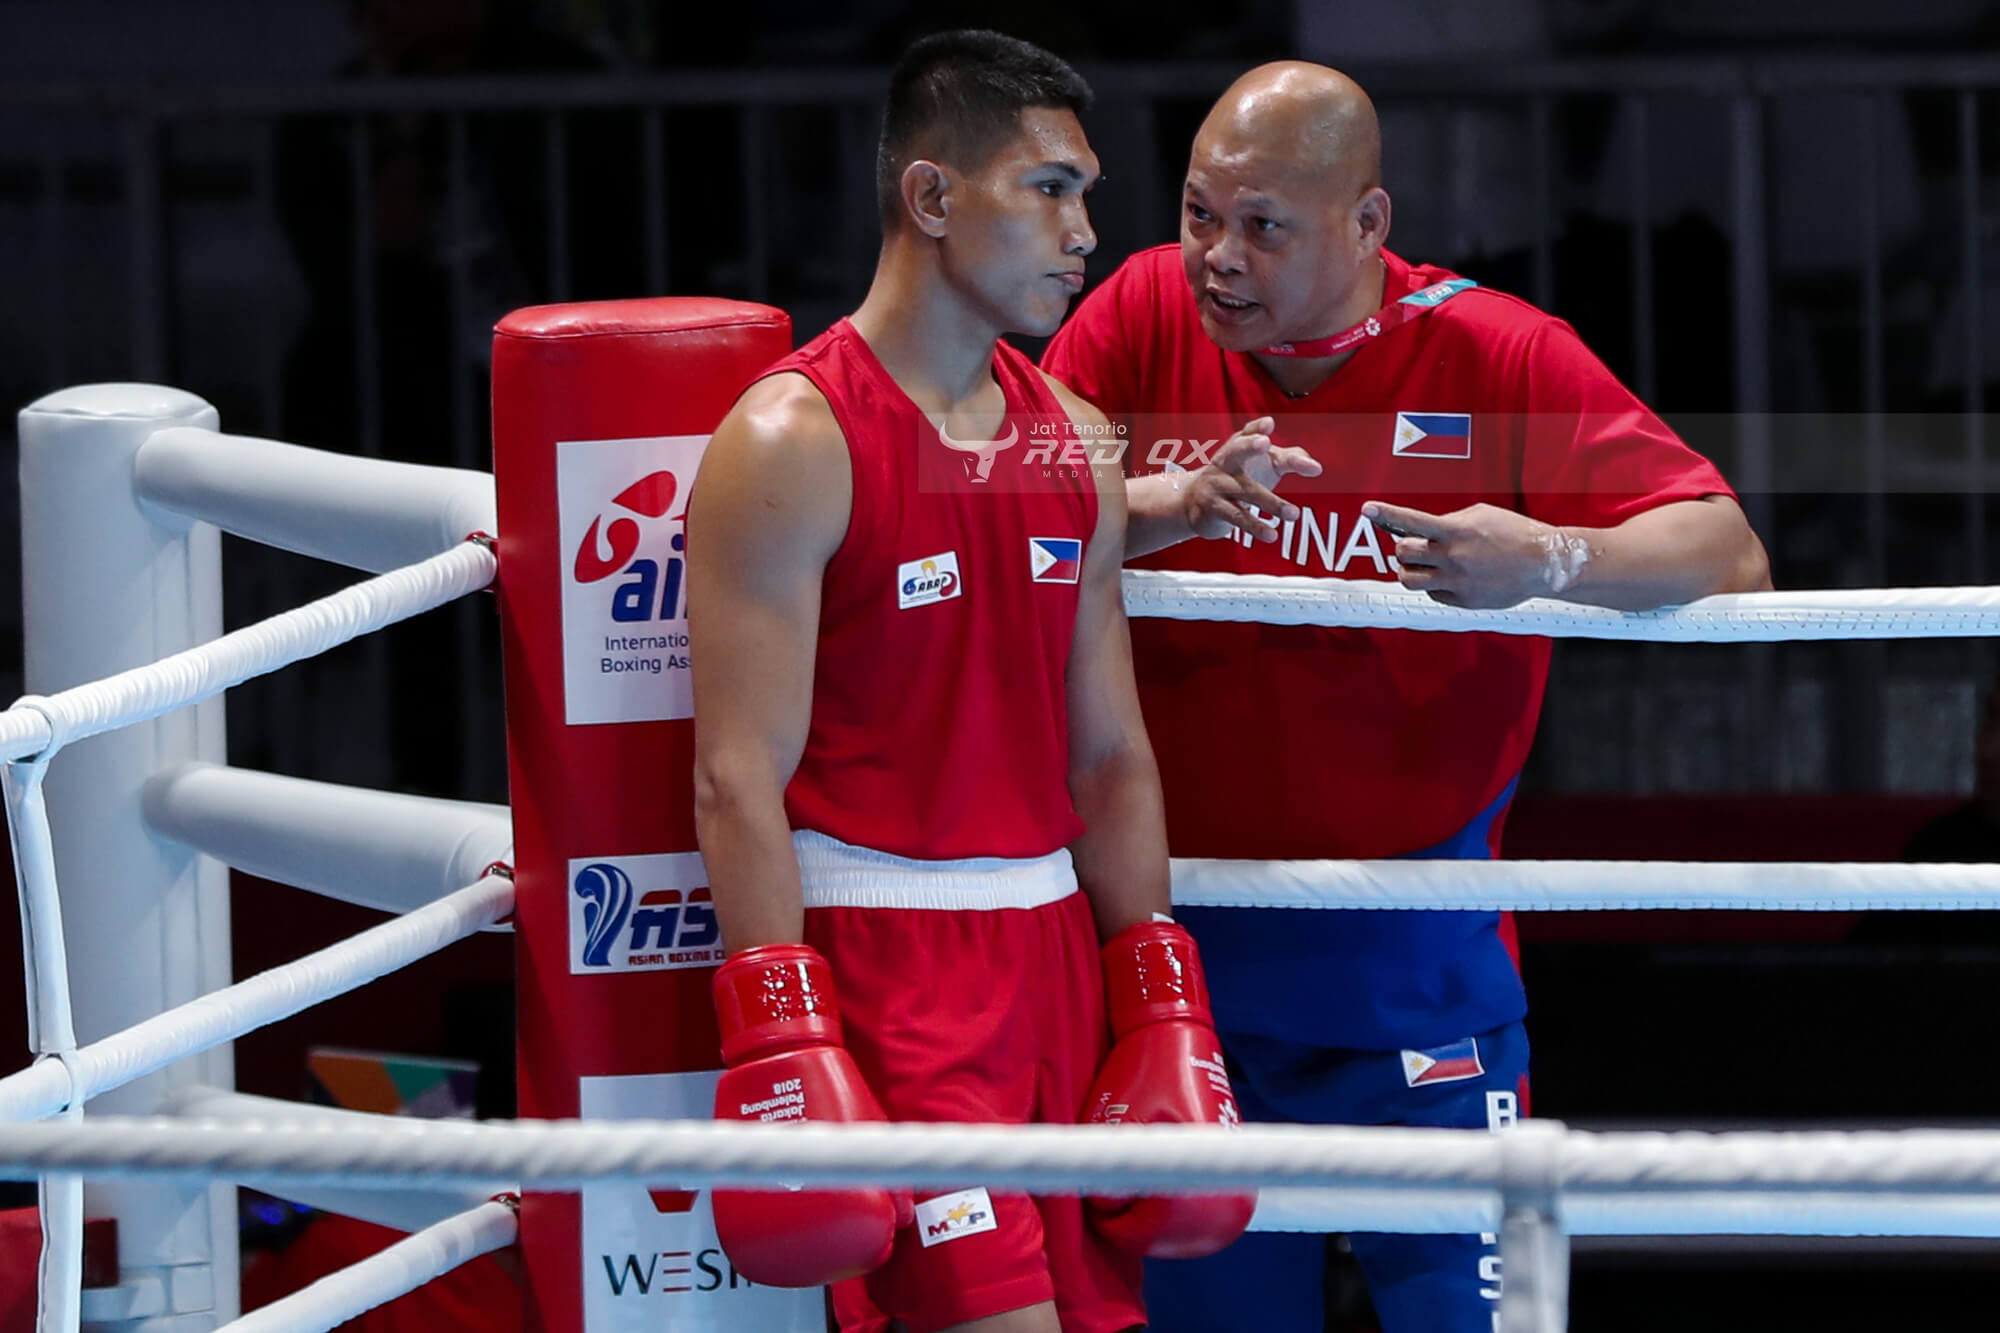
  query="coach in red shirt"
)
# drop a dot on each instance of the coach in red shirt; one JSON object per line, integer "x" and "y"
{"x": 1442, "y": 434}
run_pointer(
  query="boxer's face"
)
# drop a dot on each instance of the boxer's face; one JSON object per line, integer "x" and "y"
{"x": 1273, "y": 253}
{"x": 1018, "y": 229}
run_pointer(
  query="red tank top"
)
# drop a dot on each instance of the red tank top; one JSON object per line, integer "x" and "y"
{"x": 940, "y": 727}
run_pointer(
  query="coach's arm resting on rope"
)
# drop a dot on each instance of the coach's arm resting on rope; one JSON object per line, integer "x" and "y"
{"x": 1484, "y": 557}
{"x": 770, "y": 506}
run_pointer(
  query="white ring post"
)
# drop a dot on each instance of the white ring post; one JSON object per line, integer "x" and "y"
{"x": 107, "y": 586}
{"x": 1534, "y": 1249}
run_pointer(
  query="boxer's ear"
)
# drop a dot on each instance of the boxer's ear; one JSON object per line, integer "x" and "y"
{"x": 927, "y": 196}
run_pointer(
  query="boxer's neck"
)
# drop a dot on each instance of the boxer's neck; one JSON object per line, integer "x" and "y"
{"x": 932, "y": 344}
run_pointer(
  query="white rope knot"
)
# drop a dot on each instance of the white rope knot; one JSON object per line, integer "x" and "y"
{"x": 1534, "y": 1251}
{"x": 76, "y": 1094}
{"x": 1531, "y": 1165}
{"x": 62, "y": 725}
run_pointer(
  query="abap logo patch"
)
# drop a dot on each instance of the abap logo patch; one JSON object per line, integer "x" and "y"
{"x": 931, "y": 579}
{"x": 1443, "y": 1064}
{"x": 1433, "y": 435}
{"x": 641, "y": 914}
{"x": 622, "y": 508}
{"x": 949, "y": 1216}
{"x": 1055, "y": 559}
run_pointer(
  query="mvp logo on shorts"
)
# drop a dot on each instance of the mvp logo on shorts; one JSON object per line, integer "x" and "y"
{"x": 641, "y": 914}
{"x": 950, "y": 1216}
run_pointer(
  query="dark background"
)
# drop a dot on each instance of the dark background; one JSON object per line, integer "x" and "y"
{"x": 1772, "y": 217}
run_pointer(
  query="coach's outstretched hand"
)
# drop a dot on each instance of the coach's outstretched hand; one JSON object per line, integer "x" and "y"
{"x": 1219, "y": 497}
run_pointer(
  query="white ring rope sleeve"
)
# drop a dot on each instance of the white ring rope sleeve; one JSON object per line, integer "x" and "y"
{"x": 368, "y": 513}
{"x": 381, "y": 1278}
{"x": 1059, "y": 1158}
{"x": 1445, "y": 1212}
{"x": 1746, "y": 617}
{"x": 199, "y": 673}
{"x": 224, "y": 1015}
{"x": 1577, "y": 886}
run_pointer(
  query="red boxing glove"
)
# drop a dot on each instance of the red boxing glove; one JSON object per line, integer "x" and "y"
{"x": 1165, "y": 1068}
{"x": 781, "y": 1040}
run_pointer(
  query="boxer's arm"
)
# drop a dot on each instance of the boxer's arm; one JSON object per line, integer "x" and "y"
{"x": 1121, "y": 858}
{"x": 769, "y": 508}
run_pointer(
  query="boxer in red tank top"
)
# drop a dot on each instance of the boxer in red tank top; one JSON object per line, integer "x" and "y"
{"x": 924, "y": 792}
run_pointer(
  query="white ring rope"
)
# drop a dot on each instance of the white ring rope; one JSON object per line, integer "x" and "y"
{"x": 149, "y": 691}
{"x": 1044, "y": 1158}
{"x": 1577, "y": 886}
{"x": 1746, "y": 617}
{"x": 1446, "y": 1212}
{"x": 44, "y": 1088}
{"x": 380, "y": 1278}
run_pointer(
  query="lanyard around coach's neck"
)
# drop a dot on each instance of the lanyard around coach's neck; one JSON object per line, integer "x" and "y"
{"x": 1391, "y": 316}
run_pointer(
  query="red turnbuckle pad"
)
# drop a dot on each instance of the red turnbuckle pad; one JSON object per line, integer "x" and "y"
{"x": 772, "y": 998}
{"x": 1152, "y": 972}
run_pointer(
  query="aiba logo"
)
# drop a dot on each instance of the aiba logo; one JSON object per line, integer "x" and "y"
{"x": 949, "y": 1216}
{"x": 641, "y": 914}
{"x": 652, "y": 588}
{"x": 934, "y": 578}
{"x": 622, "y": 509}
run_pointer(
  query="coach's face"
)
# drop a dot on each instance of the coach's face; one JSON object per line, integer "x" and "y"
{"x": 1274, "y": 250}
{"x": 1019, "y": 230}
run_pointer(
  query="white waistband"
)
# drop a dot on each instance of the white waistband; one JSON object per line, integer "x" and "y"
{"x": 836, "y": 874}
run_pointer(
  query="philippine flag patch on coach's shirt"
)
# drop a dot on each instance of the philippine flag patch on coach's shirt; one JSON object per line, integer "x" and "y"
{"x": 1443, "y": 1064}
{"x": 1433, "y": 435}
{"x": 1055, "y": 559}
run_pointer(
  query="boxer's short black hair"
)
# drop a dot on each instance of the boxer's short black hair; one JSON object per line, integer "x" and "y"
{"x": 957, "y": 97}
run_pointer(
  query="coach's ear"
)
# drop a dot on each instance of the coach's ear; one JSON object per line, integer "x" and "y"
{"x": 927, "y": 196}
{"x": 1371, "y": 215}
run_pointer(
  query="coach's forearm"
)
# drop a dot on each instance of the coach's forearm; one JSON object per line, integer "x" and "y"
{"x": 1155, "y": 513}
{"x": 1670, "y": 555}
{"x": 746, "y": 846}
{"x": 1121, "y": 859}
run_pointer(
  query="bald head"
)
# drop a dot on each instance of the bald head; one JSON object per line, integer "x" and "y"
{"x": 1283, "y": 215}
{"x": 1316, "y": 121}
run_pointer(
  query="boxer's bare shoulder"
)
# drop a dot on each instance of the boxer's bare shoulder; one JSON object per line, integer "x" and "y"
{"x": 779, "y": 457}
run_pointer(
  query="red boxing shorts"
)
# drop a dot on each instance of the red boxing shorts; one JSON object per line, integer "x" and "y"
{"x": 970, "y": 993}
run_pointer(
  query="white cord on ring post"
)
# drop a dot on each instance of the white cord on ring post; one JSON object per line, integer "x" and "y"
{"x": 258, "y": 1001}
{"x": 396, "y": 1271}
{"x": 51, "y": 1033}
{"x": 255, "y": 650}
{"x": 1534, "y": 1249}
{"x": 1744, "y": 617}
